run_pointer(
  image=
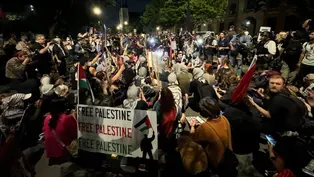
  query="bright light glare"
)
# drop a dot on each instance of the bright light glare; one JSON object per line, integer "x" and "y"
{"x": 97, "y": 10}
{"x": 200, "y": 41}
{"x": 126, "y": 23}
{"x": 204, "y": 24}
{"x": 31, "y": 7}
{"x": 158, "y": 28}
{"x": 152, "y": 40}
{"x": 248, "y": 22}
{"x": 160, "y": 53}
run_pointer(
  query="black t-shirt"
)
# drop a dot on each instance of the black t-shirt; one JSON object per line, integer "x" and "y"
{"x": 205, "y": 89}
{"x": 223, "y": 43}
{"x": 141, "y": 105}
{"x": 285, "y": 113}
{"x": 41, "y": 58}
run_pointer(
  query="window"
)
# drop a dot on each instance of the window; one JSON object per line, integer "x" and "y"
{"x": 250, "y": 5}
{"x": 232, "y": 9}
{"x": 272, "y": 22}
{"x": 274, "y": 3}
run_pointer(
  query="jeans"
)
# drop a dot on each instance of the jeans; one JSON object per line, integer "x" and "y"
{"x": 287, "y": 74}
{"x": 237, "y": 63}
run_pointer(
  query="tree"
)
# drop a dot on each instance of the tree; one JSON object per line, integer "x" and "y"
{"x": 169, "y": 13}
{"x": 172, "y": 13}
{"x": 150, "y": 17}
{"x": 203, "y": 10}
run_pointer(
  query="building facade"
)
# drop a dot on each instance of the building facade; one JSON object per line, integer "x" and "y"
{"x": 239, "y": 13}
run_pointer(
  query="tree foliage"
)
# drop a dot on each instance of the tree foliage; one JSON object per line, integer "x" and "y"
{"x": 150, "y": 17}
{"x": 169, "y": 13}
{"x": 203, "y": 10}
{"x": 172, "y": 12}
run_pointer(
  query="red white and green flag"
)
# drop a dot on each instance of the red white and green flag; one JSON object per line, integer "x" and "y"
{"x": 143, "y": 125}
{"x": 83, "y": 82}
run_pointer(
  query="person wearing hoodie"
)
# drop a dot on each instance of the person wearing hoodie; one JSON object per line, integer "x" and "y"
{"x": 135, "y": 99}
{"x": 184, "y": 79}
{"x": 200, "y": 89}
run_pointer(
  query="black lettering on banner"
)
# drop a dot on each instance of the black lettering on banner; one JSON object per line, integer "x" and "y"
{"x": 86, "y": 143}
{"x": 128, "y": 113}
{"x": 97, "y": 112}
{"x": 107, "y": 116}
{"x": 83, "y": 111}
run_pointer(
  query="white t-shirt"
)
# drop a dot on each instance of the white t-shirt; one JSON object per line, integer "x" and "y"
{"x": 309, "y": 54}
{"x": 271, "y": 46}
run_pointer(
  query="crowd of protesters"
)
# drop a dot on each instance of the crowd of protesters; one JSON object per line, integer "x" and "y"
{"x": 198, "y": 72}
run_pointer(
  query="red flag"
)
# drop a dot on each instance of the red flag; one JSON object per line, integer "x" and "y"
{"x": 243, "y": 86}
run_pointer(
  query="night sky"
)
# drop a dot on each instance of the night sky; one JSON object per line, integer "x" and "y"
{"x": 112, "y": 13}
{"x": 137, "y": 5}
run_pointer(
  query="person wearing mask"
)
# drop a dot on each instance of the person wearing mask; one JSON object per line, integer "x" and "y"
{"x": 223, "y": 48}
{"x": 214, "y": 134}
{"x": 279, "y": 117}
{"x": 58, "y": 125}
{"x": 43, "y": 57}
{"x": 266, "y": 50}
{"x": 306, "y": 60}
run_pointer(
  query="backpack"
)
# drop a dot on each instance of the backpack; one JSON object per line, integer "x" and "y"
{"x": 294, "y": 47}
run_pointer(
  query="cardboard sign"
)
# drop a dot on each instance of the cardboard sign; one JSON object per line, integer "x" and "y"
{"x": 125, "y": 132}
{"x": 262, "y": 29}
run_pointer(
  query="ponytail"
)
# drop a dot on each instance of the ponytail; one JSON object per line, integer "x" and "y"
{"x": 53, "y": 121}
{"x": 57, "y": 108}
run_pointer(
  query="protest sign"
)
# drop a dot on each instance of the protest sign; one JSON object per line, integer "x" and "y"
{"x": 262, "y": 29}
{"x": 109, "y": 130}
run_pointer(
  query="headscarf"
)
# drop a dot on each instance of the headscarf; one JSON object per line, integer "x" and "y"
{"x": 197, "y": 73}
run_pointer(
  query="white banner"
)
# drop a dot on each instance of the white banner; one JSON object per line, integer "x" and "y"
{"x": 125, "y": 132}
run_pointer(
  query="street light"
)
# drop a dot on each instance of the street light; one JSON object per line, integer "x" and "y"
{"x": 119, "y": 27}
{"x": 248, "y": 22}
{"x": 97, "y": 10}
{"x": 31, "y": 7}
{"x": 158, "y": 28}
{"x": 204, "y": 24}
{"x": 126, "y": 23}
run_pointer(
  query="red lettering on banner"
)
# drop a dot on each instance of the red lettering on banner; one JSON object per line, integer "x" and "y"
{"x": 112, "y": 130}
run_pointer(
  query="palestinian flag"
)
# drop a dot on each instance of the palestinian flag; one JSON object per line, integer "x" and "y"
{"x": 240, "y": 91}
{"x": 83, "y": 82}
{"x": 143, "y": 125}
